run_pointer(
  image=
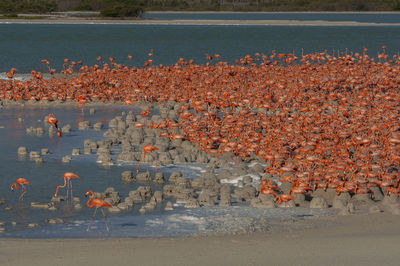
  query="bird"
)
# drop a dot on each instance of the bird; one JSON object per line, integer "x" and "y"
{"x": 53, "y": 121}
{"x": 146, "y": 149}
{"x": 21, "y": 182}
{"x": 67, "y": 182}
{"x": 98, "y": 203}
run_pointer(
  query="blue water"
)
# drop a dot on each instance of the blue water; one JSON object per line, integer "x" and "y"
{"x": 357, "y": 17}
{"x": 47, "y": 176}
{"x": 23, "y": 46}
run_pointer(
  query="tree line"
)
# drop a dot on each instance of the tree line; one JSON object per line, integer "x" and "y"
{"x": 133, "y": 8}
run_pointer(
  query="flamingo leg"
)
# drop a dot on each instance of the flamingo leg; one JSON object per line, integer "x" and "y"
{"x": 70, "y": 188}
{"x": 23, "y": 191}
{"x": 68, "y": 184}
{"x": 105, "y": 220}
{"x": 94, "y": 214}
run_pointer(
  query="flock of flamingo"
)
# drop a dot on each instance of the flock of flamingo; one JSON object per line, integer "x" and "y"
{"x": 319, "y": 121}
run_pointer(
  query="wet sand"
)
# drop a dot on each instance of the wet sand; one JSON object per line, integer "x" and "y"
{"x": 342, "y": 240}
{"x": 194, "y": 22}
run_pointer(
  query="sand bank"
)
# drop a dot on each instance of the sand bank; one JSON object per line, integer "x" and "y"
{"x": 344, "y": 240}
{"x": 197, "y": 22}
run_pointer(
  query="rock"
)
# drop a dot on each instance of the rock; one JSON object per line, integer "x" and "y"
{"x": 158, "y": 196}
{"x": 145, "y": 191}
{"x": 286, "y": 187}
{"x": 344, "y": 212}
{"x": 55, "y": 221}
{"x": 159, "y": 178}
{"x": 390, "y": 200}
{"x": 2, "y": 202}
{"x": 66, "y": 159}
{"x": 192, "y": 203}
{"x": 143, "y": 177}
{"x": 129, "y": 202}
{"x": 366, "y": 198}
{"x": 206, "y": 198}
{"x": 169, "y": 206}
{"x": 142, "y": 210}
{"x": 127, "y": 177}
{"x": 39, "y": 131}
{"x": 225, "y": 201}
{"x": 339, "y": 203}
{"x": 247, "y": 179}
{"x": 84, "y": 125}
{"x": 263, "y": 201}
{"x": 343, "y": 196}
{"x": 328, "y": 195}
{"x": 58, "y": 198}
{"x": 288, "y": 204}
{"x": 31, "y": 225}
{"x": 114, "y": 209}
{"x": 299, "y": 199}
{"x": 245, "y": 194}
{"x": 136, "y": 196}
{"x": 38, "y": 160}
{"x": 224, "y": 174}
{"x": 174, "y": 175}
{"x": 22, "y": 151}
{"x": 66, "y": 129}
{"x": 76, "y": 151}
{"x": 258, "y": 168}
{"x": 98, "y": 126}
{"x": 318, "y": 202}
{"x": 351, "y": 208}
{"x": 87, "y": 151}
{"x": 45, "y": 151}
{"x": 375, "y": 209}
{"x": 34, "y": 154}
{"x": 78, "y": 206}
{"x": 150, "y": 206}
{"x": 123, "y": 206}
{"x": 40, "y": 205}
{"x": 92, "y": 111}
{"x": 376, "y": 193}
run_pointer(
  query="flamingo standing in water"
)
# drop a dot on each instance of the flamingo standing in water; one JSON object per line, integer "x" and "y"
{"x": 53, "y": 121}
{"x": 21, "y": 182}
{"x": 67, "y": 182}
{"x": 98, "y": 203}
{"x": 146, "y": 149}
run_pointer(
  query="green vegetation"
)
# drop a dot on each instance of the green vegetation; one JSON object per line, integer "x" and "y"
{"x": 133, "y": 8}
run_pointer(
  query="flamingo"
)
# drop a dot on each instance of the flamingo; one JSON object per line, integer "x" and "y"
{"x": 20, "y": 182}
{"x": 53, "y": 121}
{"x": 146, "y": 149}
{"x": 67, "y": 182}
{"x": 98, "y": 203}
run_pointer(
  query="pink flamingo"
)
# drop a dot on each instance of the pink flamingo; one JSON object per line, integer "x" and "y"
{"x": 20, "y": 182}
{"x": 146, "y": 149}
{"x": 98, "y": 203}
{"x": 67, "y": 182}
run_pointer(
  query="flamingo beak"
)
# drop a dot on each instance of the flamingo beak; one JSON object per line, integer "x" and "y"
{"x": 86, "y": 194}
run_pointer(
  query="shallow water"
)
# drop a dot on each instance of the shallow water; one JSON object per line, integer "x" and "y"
{"x": 47, "y": 176}
{"x": 348, "y": 16}
{"x": 24, "y": 45}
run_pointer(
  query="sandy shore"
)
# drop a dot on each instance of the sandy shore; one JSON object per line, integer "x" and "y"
{"x": 195, "y": 22}
{"x": 343, "y": 240}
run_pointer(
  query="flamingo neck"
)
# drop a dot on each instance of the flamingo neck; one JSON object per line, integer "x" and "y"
{"x": 65, "y": 183}
{"x": 90, "y": 205}
{"x": 15, "y": 185}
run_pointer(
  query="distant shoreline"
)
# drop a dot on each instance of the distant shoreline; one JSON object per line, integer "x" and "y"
{"x": 195, "y": 22}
